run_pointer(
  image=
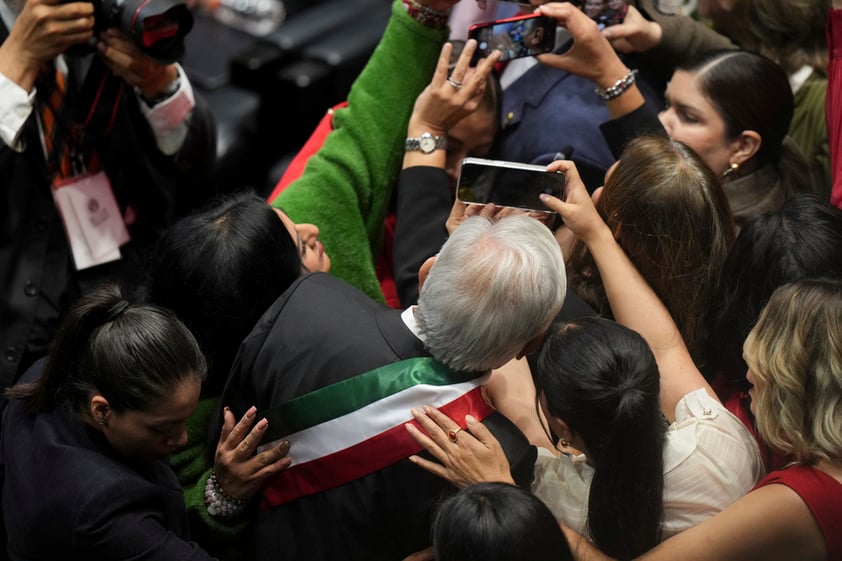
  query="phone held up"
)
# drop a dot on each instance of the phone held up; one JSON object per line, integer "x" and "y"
{"x": 516, "y": 37}
{"x": 605, "y": 12}
{"x": 510, "y": 184}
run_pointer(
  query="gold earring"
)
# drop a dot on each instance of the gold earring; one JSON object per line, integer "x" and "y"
{"x": 564, "y": 443}
{"x": 734, "y": 167}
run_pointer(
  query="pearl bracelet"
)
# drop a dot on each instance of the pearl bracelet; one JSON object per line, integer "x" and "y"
{"x": 219, "y": 504}
{"x": 619, "y": 87}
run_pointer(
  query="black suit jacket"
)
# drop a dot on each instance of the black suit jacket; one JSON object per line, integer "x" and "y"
{"x": 322, "y": 331}
{"x": 67, "y": 495}
{"x": 37, "y": 276}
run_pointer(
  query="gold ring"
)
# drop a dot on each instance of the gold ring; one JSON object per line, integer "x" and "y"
{"x": 452, "y": 434}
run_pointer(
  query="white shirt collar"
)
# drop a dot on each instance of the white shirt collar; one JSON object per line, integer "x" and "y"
{"x": 408, "y": 317}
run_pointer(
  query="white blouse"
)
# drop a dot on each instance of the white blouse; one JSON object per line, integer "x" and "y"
{"x": 710, "y": 460}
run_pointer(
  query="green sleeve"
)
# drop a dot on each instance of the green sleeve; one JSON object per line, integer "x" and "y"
{"x": 193, "y": 467}
{"x": 346, "y": 186}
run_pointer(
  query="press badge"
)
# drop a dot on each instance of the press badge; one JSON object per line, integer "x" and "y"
{"x": 92, "y": 219}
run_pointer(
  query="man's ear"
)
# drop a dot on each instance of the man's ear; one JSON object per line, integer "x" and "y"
{"x": 424, "y": 271}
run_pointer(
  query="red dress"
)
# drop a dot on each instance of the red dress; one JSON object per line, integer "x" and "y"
{"x": 823, "y": 496}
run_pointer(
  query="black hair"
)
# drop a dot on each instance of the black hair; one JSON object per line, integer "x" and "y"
{"x": 497, "y": 522}
{"x": 602, "y": 380}
{"x": 802, "y": 239}
{"x": 752, "y": 92}
{"x": 219, "y": 269}
{"x": 134, "y": 356}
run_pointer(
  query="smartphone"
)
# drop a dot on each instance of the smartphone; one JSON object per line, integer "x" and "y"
{"x": 518, "y": 36}
{"x": 511, "y": 184}
{"x": 605, "y": 12}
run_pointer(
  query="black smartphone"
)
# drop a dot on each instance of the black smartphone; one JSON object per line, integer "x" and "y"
{"x": 511, "y": 184}
{"x": 605, "y": 12}
{"x": 518, "y": 36}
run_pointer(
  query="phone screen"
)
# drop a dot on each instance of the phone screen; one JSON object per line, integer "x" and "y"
{"x": 605, "y": 12}
{"x": 507, "y": 184}
{"x": 516, "y": 37}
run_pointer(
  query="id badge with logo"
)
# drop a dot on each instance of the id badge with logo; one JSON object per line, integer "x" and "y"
{"x": 92, "y": 219}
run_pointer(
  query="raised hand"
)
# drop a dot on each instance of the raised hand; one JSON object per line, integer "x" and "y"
{"x": 577, "y": 210}
{"x": 43, "y": 30}
{"x": 467, "y": 455}
{"x": 447, "y": 100}
{"x": 635, "y": 35}
{"x": 122, "y": 56}
{"x": 239, "y": 471}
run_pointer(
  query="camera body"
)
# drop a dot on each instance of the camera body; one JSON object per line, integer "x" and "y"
{"x": 157, "y": 27}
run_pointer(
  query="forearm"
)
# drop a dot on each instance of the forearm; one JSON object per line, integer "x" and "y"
{"x": 635, "y": 305}
{"x": 347, "y": 185}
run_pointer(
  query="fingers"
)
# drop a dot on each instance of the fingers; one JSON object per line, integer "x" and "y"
{"x": 481, "y": 433}
{"x": 240, "y": 429}
{"x": 440, "y": 74}
{"x": 228, "y": 422}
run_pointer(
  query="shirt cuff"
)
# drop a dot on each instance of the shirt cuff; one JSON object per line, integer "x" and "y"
{"x": 169, "y": 118}
{"x": 15, "y": 107}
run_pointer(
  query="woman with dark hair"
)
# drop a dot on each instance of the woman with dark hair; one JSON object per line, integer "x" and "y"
{"x": 497, "y": 522}
{"x": 219, "y": 269}
{"x": 637, "y": 479}
{"x": 795, "y": 368}
{"x": 85, "y": 433}
{"x": 801, "y": 240}
{"x": 734, "y": 108}
{"x": 599, "y": 388}
{"x": 671, "y": 216}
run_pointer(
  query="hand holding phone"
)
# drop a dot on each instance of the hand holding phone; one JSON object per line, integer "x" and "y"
{"x": 509, "y": 184}
{"x": 515, "y": 37}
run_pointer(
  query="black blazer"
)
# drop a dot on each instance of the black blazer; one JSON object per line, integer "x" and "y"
{"x": 38, "y": 279}
{"x": 321, "y": 331}
{"x": 66, "y": 495}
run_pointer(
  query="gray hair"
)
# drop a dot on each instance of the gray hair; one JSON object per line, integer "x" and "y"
{"x": 494, "y": 287}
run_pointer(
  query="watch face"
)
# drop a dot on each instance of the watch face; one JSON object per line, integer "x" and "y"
{"x": 427, "y": 143}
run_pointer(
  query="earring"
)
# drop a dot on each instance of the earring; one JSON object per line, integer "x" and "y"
{"x": 734, "y": 167}
{"x": 103, "y": 421}
{"x": 564, "y": 443}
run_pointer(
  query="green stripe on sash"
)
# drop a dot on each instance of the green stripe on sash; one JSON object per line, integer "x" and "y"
{"x": 355, "y": 393}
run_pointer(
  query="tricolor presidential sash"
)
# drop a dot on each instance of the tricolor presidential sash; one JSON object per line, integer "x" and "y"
{"x": 355, "y": 427}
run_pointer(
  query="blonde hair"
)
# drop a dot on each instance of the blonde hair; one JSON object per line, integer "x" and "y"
{"x": 795, "y": 351}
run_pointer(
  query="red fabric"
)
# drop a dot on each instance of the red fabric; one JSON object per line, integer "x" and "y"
{"x": 736, "y": 400}
{"x": 833, "y": 103}
{"x": 384, "y": 265}
{"x": 823, "y": 496}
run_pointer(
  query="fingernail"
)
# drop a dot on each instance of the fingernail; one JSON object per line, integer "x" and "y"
{"x": 226, "y": 409}
{"x": 427, "y": 409}
{"x": 544, "y": 197}
{"x": 409, "y": 427}
{"x": 262, "y": 424}
{"x": 470, "y": 419}
{"x": 252, "y": 410}
{"x": 414, "y": 412}
{"x": 284, "y": 445}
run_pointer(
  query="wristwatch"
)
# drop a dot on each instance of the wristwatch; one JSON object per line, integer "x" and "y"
{"x": 426, "y": 143}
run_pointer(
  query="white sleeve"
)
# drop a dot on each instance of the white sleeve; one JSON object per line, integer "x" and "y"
{"x": 15, "y": 107}
{"x": 563, "y": 483}
{"x": 710, "y": 461}
{"x": 169, "y": 118}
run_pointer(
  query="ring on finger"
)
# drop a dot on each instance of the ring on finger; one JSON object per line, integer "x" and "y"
{"x": 451, "y": 434}
{"x": 454, "y": 83}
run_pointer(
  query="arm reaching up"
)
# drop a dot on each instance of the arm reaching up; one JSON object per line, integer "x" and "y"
{"x": 633, "y": 302}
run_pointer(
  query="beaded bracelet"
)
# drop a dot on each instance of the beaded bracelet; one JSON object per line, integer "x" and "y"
{"x": 219, "y": 504}
{"x": 425, "y": 15}
{"x": 619, "y": 87}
